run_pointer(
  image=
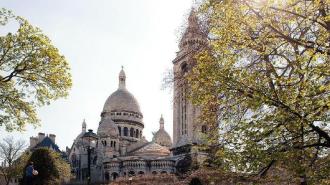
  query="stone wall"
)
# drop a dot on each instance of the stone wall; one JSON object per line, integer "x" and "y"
{"x": 147, "y": 180}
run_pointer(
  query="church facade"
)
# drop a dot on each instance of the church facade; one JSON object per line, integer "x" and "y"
{"x": 122, "y": 150}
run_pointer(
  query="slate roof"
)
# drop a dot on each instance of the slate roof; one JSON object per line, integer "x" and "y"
{"x": 47, "y": 143}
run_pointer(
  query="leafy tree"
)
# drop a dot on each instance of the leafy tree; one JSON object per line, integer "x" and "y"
{"x": 51, "y": 167}
{"x": 264, "y": 83}
{"x": 32, "y": 73}
{"x": 10, "y": 152}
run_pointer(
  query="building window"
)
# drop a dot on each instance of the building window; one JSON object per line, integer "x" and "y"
{"x": 184, "y": 67}
{"x": 131, "y": 132}
{"x": 119, "y": 129}
{"x": 204, "y": 129}
{"x": 114, "y": 144}
{"x": 95, "y": 160}
{"x": 125, "y": 131}
{"x": 137, "y": 133}
{"x": 183, "y": 109}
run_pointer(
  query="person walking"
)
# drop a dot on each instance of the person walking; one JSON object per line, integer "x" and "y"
{"x": 29, "y": 174}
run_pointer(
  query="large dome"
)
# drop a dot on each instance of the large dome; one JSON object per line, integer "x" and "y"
{"x": 121, "y": 100}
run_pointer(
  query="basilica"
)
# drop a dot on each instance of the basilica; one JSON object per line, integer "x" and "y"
{"x": 122, "y": 150}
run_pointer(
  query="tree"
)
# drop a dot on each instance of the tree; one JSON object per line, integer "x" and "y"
{"x": 51, "y": 167}
{"x": 32, "y": 73}
{"x": 10, "y": 152}
{"x": 264, "y": 83}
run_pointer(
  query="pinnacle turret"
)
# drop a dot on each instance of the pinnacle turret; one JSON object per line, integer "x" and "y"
{"x": 122, "y": 78}
{"x": 83, "y": 126}
{"x": 161, "y": 122}
{"x": 193, "y": 33}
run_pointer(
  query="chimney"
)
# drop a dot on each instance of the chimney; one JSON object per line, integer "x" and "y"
{"x": 41, "y": 136}
{"x": 52, "y": 137}
{"x": 33, "y": 142}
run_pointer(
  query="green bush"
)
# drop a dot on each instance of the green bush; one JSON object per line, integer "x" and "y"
{"x": 51, "y": 167}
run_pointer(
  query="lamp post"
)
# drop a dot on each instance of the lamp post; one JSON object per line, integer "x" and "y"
{"x": 88, "y": 141}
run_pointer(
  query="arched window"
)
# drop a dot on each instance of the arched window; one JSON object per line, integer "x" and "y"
{"x": 204, "y": 129}
{"x": 141, "y": 173}
{"x": 119, "y": 129}
{"x": 125, "y": 131}
{"x": 154, "y": 173}
{"x": 137, "y": 133}
{"x": 114, "y": 144}
{"x": 195, "y": 181}
{"x": 131, "y": 132}
{"x": 114, "y": 176}
{"x": 95, "y": 160}
{"x": 184, "y": 67}
{"x": 131, "y": 173}
{"x": 111, "y": 144}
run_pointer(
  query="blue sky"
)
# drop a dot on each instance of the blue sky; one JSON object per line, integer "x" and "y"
{"x": 97, "y": 38}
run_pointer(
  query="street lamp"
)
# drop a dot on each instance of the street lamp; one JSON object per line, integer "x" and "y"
{"x": 88, "y": 140}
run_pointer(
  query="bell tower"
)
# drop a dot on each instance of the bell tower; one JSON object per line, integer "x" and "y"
{"x": 185, "y": 114}
{"x": 186, "y": 127}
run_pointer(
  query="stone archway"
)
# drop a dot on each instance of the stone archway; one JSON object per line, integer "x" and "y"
{"x": 131, "y": 173}
{"x": 114, "y": 175}
{"x": 184, "y": 164}
{"x": 195, "y": 181}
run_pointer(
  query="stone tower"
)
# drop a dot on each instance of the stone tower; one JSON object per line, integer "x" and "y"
{"x": 186, "y": 129}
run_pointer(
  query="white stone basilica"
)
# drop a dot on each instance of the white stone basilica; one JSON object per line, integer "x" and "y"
{"x": 122, "y": 150}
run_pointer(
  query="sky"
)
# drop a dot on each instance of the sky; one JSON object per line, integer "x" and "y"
{"x": 97, "y": 38}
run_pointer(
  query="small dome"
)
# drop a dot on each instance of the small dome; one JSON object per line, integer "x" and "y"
{"x": 107, "y": 128}
{"x": 121, "y": 100}
{"x": 152, "y": 149}
{"x": 83, "y": 131}
{"x": 161, "y": 137}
